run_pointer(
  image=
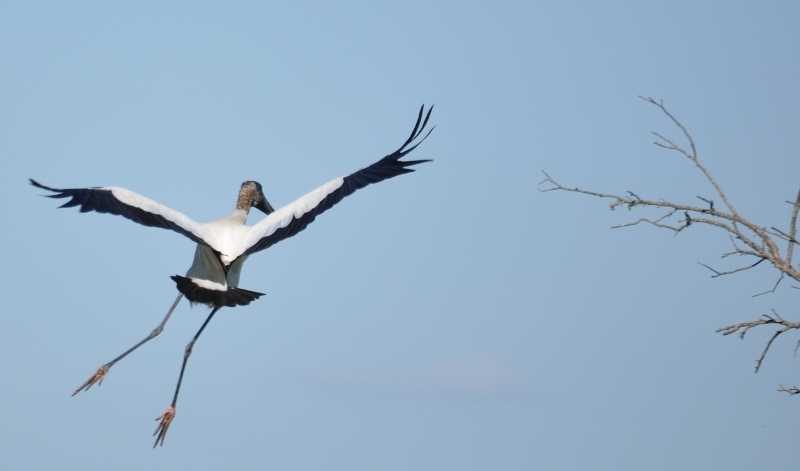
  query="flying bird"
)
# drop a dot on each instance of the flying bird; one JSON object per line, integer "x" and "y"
{"x": 224, "y": 245}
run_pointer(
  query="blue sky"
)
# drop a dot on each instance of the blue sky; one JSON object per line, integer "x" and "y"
{"x": 450, "y": 319}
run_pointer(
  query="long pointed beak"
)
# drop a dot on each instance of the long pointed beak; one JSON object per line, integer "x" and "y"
{"x": 264, "y": 206}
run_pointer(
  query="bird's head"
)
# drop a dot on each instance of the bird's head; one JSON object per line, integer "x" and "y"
{"x": 251, "y": 196}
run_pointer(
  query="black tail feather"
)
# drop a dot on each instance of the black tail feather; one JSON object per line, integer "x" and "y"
{"x": 232, "y": 297}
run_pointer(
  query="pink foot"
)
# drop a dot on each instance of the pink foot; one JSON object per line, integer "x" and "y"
{"x": 96, "y": 378}
{"x": 161, "y": 430}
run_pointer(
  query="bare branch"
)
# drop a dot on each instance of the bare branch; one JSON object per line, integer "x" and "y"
{"x": 793, "y": 229}
{"x": 656, "y": 223}
{"x": 792, "y": 391}
{"x": 671, "y": 145}
{"x": 730, "y": 272}
{"x": 782, "y": 235}
{"x": 765, "y": 319}
{"x": 710, "y": 203}
{"x": 773, "y": 288}
{"x": 748, "y": 239}
{"x": 693, "y": 155}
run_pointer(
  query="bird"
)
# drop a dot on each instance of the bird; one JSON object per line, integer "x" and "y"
{"x": 224, "y": 245}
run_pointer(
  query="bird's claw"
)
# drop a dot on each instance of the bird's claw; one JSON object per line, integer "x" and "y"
{"x": 98, "y": 377}
{"x": 166, "y": 420}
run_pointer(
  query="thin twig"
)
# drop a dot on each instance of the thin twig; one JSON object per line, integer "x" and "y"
{"x": 730, "y": 272}
{"x": 765, "y": 319}
{"x": 710, "y": 203}
{"x": 792, "y": 391}
{"x": 693, "y": 155}
{"x": 773, "y": 288}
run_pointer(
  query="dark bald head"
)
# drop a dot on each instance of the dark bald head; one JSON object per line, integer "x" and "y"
{"x": 251, "y": 196}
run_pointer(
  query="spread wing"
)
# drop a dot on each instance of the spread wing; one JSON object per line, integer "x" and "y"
{"x": 294, "y": 217}
{"x": 130, "y": 205}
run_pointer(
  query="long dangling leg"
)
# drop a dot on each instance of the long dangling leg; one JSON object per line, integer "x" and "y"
{"x": 169, "y": 414}
{"x": 101, "y": 372}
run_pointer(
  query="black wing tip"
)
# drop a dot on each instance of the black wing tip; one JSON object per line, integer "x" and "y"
{"x": 58, "y": 192}
{"x": 419, "y": 128}
{"x": 408, "y": 163}
{"x": 422, "y": 110}
{"x": 39, "y": 185}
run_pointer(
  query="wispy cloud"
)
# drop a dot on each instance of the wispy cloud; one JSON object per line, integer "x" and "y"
{"x": 478, "y": 375}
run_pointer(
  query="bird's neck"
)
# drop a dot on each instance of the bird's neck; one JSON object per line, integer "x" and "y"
{"x": 245, "y": 200}
{"x": 239, "y": 214}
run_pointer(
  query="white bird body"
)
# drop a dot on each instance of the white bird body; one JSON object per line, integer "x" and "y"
{"x": 207, "y": 273}
{"x": 224, "y": 245}
{"x": 231, "y": 238}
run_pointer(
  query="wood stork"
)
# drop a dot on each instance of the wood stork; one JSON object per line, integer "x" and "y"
{"x": 224, "y": 245}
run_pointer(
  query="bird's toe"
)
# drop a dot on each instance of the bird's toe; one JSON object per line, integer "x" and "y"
{"x": 166, "y": 420}
{"x": 97, "y": 377}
